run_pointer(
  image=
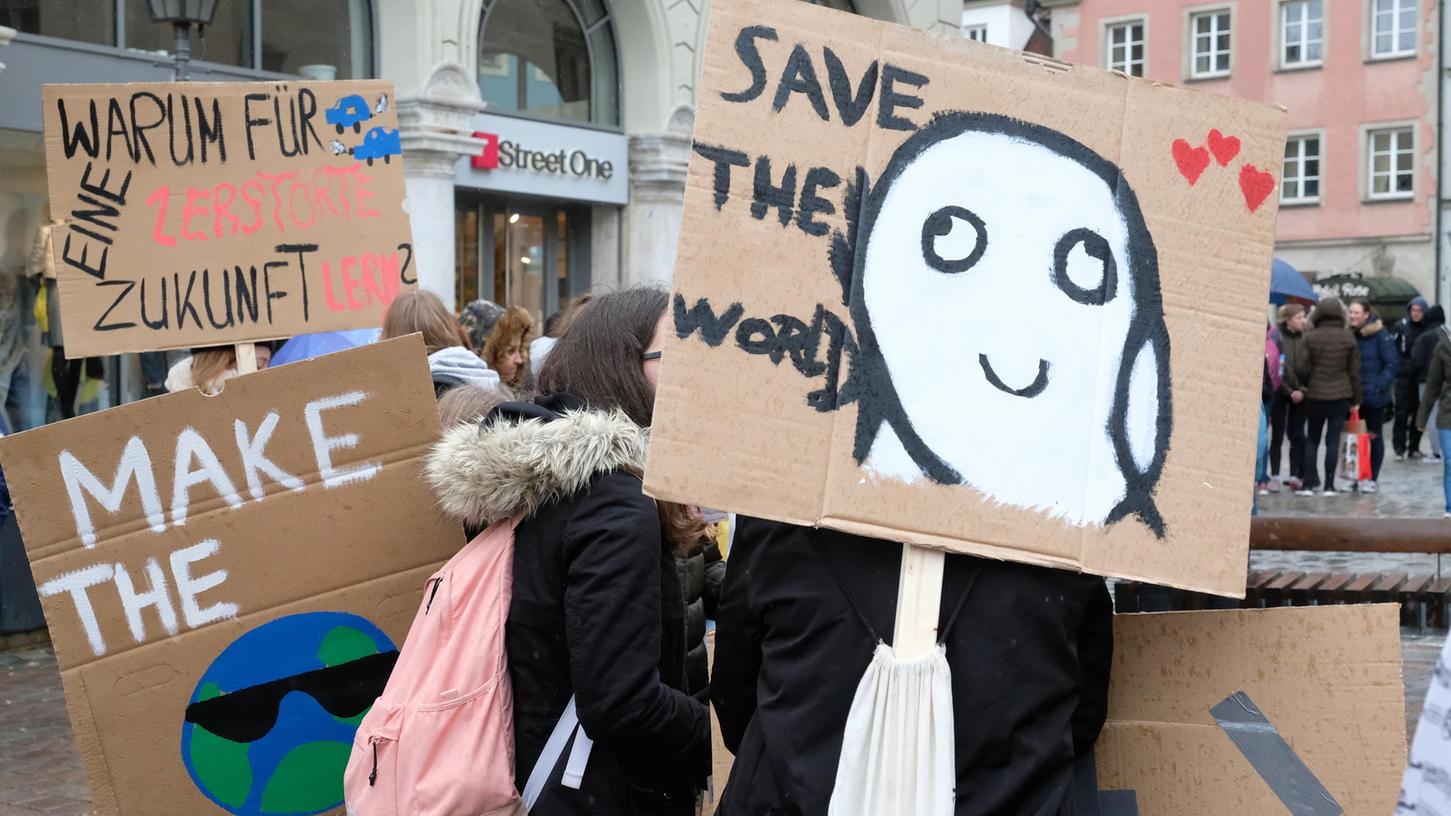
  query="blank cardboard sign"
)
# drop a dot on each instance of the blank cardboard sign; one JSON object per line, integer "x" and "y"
{"x": 227, "y": 579}
{"x": 211, "y": 213}
{"x": 957, "y": 296}
{"x": 1327, "y": 678}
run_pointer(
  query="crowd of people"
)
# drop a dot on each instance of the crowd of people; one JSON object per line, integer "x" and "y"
{"x": 612, "y": 590}
{"x": 1336, "y": 366}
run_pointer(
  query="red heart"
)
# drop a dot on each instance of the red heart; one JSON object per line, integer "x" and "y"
{"x": 1191, "y": 160}
{"x": 1256, "y": 185}
{"x": 1224, "y": 148}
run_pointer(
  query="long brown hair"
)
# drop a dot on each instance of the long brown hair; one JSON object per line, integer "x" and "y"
{"x": 420, "y": 310}
{"x": 598, "y": 360}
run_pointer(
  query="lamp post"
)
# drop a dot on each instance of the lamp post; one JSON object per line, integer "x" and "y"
{"x": 183, "y": 14}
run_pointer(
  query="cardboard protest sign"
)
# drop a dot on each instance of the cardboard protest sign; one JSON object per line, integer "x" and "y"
{"x": 207, "y": 213}
{"x": 1290, "y": 710}
{"x": 969, "y": 298}
{"x": 1426, "y": 784}
{"x": 227, "y": 579}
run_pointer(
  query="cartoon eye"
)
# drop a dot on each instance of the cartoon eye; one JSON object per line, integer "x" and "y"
{"x": 953, "y": 239}
{"x": 1083, "y": 267}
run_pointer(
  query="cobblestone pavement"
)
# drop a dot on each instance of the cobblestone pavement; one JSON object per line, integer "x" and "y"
{"x": 42, "y": 772}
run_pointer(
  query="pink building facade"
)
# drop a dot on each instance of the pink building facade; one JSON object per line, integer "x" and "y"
{"x": 1358, "y": 187}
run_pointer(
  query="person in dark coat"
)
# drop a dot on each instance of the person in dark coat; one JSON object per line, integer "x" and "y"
{"x": 1438, "y": 388}
{"x": 597, "y": 609}
{"x": 692, "y": 583}
{"x": 1380, "y": 364}
{"x": 1421, "y": 357}
{"x": 1404, "y": 437}
{"x": 1029, "y": 650}
{"x": 1287, "y": 411}
{"x": 1330, "y": 374}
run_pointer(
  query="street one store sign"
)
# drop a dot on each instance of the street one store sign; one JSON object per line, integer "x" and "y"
{"x": 547, "y": 160}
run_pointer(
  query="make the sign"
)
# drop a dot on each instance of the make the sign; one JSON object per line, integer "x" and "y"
{"x": 227, "y": 579}
{"x": 969, "y": 298}
{"x": 197, "y": 214}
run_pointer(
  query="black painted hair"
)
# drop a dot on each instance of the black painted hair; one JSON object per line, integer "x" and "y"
{"x": 879, "y": 402}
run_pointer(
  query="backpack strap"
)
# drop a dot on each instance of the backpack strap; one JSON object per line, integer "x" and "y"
{"x": 851, "y": 600}
{"x": 567, "y": 726}
{"x": 946, "y": 630}
{"x": 846, "y": 590}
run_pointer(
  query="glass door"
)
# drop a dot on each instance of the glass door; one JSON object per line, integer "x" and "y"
{"x": 531, "y": 253}
{"x": 520, "y": 265}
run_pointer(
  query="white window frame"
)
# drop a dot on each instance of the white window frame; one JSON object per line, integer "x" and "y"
{"x": 976, "y": 32}
{"x": 1373, "y": 21}
{"x": 1126, "y": 66}
{"x": 1283, "y": 22}
{"x": 1302, "y": 199}
{"x": 1368, "y": 152}
{"x": 1192, "y": 16}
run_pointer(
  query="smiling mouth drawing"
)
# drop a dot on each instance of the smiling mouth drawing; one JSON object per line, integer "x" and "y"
{"x": 1029, "y": 391}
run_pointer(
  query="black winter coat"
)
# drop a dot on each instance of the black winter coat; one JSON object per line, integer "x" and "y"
{"x": 700, "y": 577}
{"x": 1030, "y": 656}
{"x": 1426, "y": 343}
{"x": 597, "y": 609}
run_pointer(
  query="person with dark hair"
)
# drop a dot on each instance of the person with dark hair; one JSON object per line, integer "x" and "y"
{"x": 1405, "y": 438}
{"x": 1287, "y": 412}
{"x": 1330, "y": 372}
{"x": 554, "y": 328}
{"x": 801, "y": 612}
{"x": 597, "y": 614}
{"x": 1379, "y": 366}
{"x": 1421, "y": 357}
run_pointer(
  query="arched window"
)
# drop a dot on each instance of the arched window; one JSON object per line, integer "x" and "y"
{"x": 554, "y": 59}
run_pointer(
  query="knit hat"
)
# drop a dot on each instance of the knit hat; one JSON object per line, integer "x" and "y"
{"x": 478, "y": 319}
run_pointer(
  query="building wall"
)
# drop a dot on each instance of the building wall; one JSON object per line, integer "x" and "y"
{"x": 429, "y": 49}
{"x": 1344, "y": 232}
{"x": 1007, "y": 25}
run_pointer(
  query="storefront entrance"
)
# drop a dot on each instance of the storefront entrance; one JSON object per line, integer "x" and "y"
{"x": 514, "y": 251}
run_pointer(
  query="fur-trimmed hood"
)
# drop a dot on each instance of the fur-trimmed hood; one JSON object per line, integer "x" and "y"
{"x": 508, "y": 465}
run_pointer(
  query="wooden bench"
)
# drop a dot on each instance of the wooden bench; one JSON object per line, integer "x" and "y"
{"x": 1424, "y": 599}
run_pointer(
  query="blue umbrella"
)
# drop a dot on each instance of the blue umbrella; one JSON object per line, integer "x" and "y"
{"x": 305, "y": 346}
{"x": 1287, "y": 284}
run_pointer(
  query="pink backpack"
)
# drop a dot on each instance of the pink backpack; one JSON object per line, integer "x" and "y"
{"x": 440, "y": 739}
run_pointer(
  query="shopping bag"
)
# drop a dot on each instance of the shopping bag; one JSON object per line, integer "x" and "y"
{"x": 1357, "y": 449}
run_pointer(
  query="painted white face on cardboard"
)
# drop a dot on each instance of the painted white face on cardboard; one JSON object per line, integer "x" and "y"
{"x": 997, "y": 282}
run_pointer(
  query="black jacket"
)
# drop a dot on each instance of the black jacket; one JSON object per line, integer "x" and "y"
{"x": 597, "y": 610}
{"x": 700, "y": 578}
{"x": 1406, "y": 332}
{"x": 1030, "y": 657}
{"x": 1426, "y": 342}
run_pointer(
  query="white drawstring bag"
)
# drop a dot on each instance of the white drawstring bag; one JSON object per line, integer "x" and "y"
{"x": 898, "y": 752}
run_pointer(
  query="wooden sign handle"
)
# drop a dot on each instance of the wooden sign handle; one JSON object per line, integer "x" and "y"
{"x": 919, "y": 597}
{"x": 246, "y": 358}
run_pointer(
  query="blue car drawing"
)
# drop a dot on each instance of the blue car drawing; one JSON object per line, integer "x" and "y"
{"x": 351, "y": 110}
{"x": 379, "y": 143}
